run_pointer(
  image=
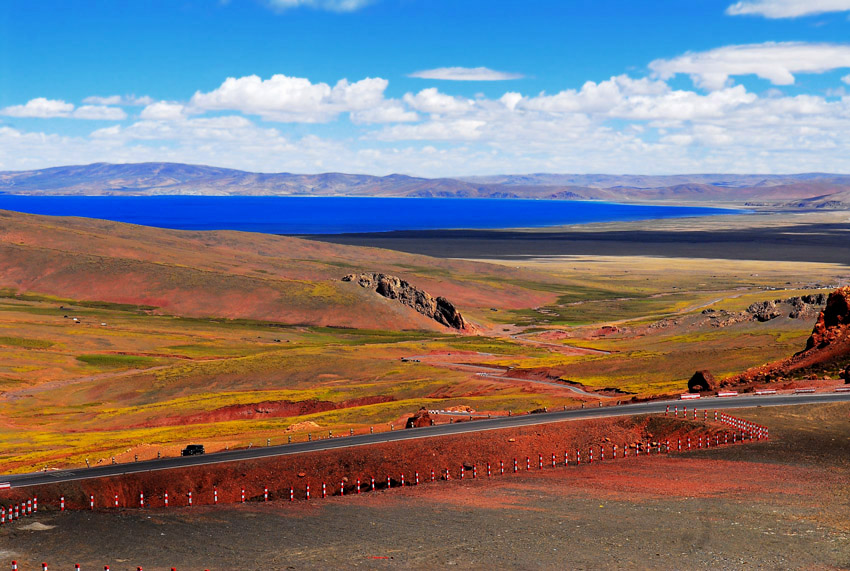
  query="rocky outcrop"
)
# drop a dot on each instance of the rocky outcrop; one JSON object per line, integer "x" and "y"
{"x": 764, "y": 311}
{"x": 845, "y": 374}
{"x": 828, "y": 346}
{"x": 439, "y": 309}
{"x": 420, "y": 419}
{"x": 702, "y": 381}
{"x": 833, "y": 322}
{"x": 797, "y": 307}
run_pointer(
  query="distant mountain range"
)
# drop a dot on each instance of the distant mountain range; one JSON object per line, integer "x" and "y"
{"x": 811, "y": 190}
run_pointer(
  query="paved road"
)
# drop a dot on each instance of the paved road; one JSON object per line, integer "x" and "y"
{"x": 38, "y": 478}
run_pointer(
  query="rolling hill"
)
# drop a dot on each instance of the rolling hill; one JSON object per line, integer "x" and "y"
{"x": 797, "y": 191}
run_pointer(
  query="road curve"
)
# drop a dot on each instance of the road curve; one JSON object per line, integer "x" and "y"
{"x": 712, "y": 403}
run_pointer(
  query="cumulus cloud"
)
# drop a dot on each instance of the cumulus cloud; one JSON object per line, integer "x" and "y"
{"x": 43, "y": 108}
{"x": 619, "y": 124}
{"x": 775, "y": 62}
{"x": 40, "y": 107}
{"x": 786, "y": 8}
{"x": 292, "y": 99}
{"x": 99, "y": 112}
{"x": 846, "y": 79}
{"x": 331, "y": 5}
{"x": 466, "y": 74}
{"x": 391, "y": 112}
{"x": 164, "y": 111}
{"x": 118, "y": 100}
{"x": 432, "y": 101}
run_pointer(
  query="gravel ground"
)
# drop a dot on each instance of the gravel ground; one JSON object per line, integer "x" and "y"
{"x": 777, "y": 505}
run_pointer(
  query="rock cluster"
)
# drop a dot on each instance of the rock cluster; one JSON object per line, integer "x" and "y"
{"x": 439, "y": 309}
{"x": 797, "y": 307}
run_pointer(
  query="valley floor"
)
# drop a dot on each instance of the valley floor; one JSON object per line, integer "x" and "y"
{"x": 777, "y": 504}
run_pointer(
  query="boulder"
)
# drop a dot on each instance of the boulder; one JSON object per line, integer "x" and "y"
{"x": 845, "y": 374}
{"x": 420, "y": 419}
{"x": 702, "y": 381}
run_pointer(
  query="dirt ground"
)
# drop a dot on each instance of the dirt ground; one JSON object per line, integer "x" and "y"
{"x": 777, "y": 505}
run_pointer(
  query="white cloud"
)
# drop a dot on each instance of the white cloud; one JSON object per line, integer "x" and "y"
{"x": 99, "y": 112}
{"x": 163, "y": 110}
{"x": 292, "y": 99}
{"x": 43, "y": 108}
{"x": 432, "y": 101}
{"x": 118, "y": 100}
{"x": 775, "y": 62}
{"x": 621, "y": 124}
{"x": 40, "y": 107}
{"x": 391, "y": 112}
{"x": 466, "y": 74}
{"x": 846, "y": 79}
{"x": 786, "y": 8}
{"x": 331, "y": 5}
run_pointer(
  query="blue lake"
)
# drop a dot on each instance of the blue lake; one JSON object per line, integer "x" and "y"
{"x": 336, "y": 215}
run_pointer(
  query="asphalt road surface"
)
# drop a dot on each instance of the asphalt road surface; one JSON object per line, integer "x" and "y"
{"x": 713, "y": 403}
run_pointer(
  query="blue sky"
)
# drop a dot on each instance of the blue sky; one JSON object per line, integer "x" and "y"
{"x": 428, "y": 87}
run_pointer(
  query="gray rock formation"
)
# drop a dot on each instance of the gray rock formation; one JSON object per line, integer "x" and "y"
{"x": 439, "y": 309}
{"x": 764, "y": 311}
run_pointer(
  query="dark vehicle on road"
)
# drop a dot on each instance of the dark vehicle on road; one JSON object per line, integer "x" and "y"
{"x": 193, "y": 449}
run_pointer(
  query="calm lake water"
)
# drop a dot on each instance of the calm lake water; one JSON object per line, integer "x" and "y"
{"x": 337, "y": 215}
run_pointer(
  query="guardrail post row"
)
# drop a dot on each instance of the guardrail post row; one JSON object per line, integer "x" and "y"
{"x": 91, "y": 501}
{"x": 324, "y": 491}
{"x": 307, "y": 494}
{"x": 416, "y": 478}
{"x": 390, "y": 484}
{"x": 116, "y": 500}
{"x": 515, "y": 466}
{"x": 166, "y": 499}
{"x": 358, "y": 485}
{"x": 540, "y": 461}
{"x": 341, "y": 488}
{"x": 243, "y": 495}
{"x": 35, "y": 504}
{"x": 501, "y": 468}
{"x": 141, "y": 499}
{"x": 62, "y": 503}
{"x": 29, "y": 503}
{"x": 578, "y": 457}
{"x": 190, "y": 498}
{"x": 215, "y": 496}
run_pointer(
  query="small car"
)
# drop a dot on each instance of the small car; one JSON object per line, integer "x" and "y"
{"x": 193, "y": 449}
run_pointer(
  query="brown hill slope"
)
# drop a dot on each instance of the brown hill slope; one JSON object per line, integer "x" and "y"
{"x": 238, "y": 275}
